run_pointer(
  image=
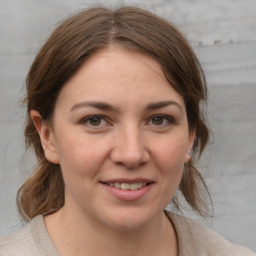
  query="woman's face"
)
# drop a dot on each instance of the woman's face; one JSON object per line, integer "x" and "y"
{"x": 120, "y": 134}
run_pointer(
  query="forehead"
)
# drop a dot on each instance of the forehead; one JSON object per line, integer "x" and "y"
{"x": 118, "y": 62}
{"x": 119, "y": 75}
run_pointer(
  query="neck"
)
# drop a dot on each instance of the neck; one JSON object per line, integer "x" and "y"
{"x": 80, "y": 235}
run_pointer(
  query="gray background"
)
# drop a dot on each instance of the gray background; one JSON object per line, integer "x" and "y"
{"x": 222, "y": 32}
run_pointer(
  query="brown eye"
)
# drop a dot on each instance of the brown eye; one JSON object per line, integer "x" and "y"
{"x": 161, "y": 121}
{"x": 95, "y": 121}
{"x": 158, "y": 120}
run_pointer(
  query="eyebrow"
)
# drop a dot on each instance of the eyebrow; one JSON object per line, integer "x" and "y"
{"x": 108, "y": 107}
{"x": 162, "y": 104}
{"x": 94, "y": 104}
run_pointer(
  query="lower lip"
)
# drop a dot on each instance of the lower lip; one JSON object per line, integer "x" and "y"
{"x": 128, "y": 195}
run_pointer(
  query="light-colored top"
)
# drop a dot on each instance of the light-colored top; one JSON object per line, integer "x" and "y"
{"x": 194, "y": 239}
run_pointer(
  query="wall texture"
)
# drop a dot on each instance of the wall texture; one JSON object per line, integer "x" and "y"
{"x": 223, "y": 33}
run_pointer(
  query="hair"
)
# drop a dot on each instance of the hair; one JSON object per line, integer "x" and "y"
{"x": 68, "y": 47}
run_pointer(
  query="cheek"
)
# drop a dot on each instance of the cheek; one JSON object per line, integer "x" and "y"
{"x": 171, "y": 154}
{"x": 169, "y": 159}
{"x": 81, "y": 156}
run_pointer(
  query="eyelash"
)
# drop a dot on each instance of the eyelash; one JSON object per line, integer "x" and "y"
{"x": 87, "y": 119}
{"x": 167, "y": 118}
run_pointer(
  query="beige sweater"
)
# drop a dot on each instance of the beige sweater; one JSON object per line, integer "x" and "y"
{"x": 194, "y": 239}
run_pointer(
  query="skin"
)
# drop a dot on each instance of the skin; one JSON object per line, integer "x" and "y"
{"x": 130, "y": 136}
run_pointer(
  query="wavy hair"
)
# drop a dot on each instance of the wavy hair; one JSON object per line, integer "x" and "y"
{"x": 67, "y": 48}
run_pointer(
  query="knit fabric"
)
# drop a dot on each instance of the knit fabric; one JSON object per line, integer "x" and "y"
{"x": 194, "y": 239}
{"x": 31, "y": 240}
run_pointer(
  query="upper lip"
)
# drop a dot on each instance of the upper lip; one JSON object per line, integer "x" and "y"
{"x": 125, "y": 180}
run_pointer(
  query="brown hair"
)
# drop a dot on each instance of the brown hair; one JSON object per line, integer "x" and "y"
{"x": 68, "y": 47}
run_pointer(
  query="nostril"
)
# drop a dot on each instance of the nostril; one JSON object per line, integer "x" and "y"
{"x": 129, "y": 148}
{"x": 129, "y": 159}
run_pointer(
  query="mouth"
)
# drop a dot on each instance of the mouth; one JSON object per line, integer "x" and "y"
{"x": 127, "y": 185}
{"x": 128, "y": 190}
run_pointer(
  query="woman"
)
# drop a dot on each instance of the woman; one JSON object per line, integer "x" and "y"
{"x": 114, "y": 114}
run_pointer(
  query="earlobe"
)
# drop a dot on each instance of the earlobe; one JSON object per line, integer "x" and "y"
{"x": 192, "y": 135}
{"x": 187, "y": 157}
{"x": 46, "y": 136}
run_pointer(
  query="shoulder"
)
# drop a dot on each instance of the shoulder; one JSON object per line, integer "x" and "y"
{"x": 19, "y": 242}
{"x": 33, "y": 239}
{"x": 202, "y": 240}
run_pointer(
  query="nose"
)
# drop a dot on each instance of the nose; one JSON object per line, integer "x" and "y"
{"x": 129, "y": 148}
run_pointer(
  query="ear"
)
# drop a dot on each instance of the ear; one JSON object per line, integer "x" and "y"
{"x": 46, "y": 136}
{"x": 192, "y": 135}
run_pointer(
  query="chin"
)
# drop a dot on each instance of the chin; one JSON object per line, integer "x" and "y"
{"x": 128, "y": 220}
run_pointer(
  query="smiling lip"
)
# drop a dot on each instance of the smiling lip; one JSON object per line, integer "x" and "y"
{"x": 128, "y": 189}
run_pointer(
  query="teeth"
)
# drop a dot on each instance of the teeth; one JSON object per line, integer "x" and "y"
{"x": 128, "y": 186}
{"x": 135, "y": 186}
{"x": 117, "y": 185}
{"x": 125, "y": 186}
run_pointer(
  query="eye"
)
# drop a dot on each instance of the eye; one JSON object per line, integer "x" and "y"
{"x": 161, "y": 120}
{"x": 94, "y": 121}
{"x": 157, "y": 120}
